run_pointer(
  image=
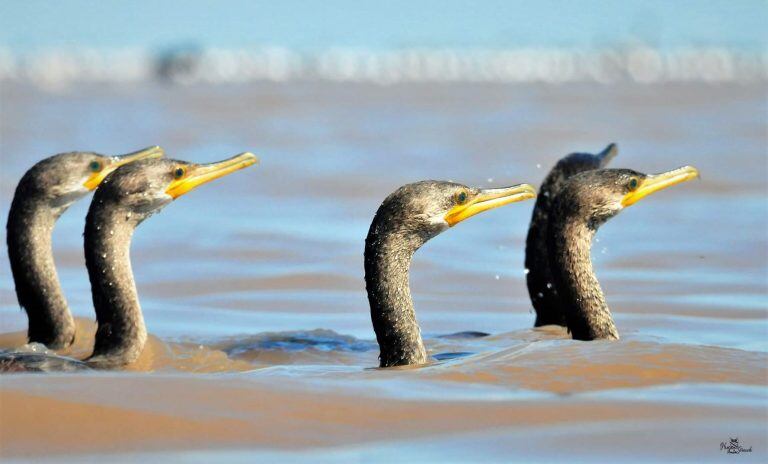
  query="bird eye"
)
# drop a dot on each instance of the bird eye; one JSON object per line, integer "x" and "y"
{"x": 95, "y": 166}
{"x": 178, "y": 173}
{"x": 461, "y": 197}
{"x": 633, "y": 183}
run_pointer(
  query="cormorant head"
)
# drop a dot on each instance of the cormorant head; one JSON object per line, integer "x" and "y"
{"x": 144, "y": 187}
{"x": 64, "y": 178}
{"x": 598, "y": 195}
{"x": 565, "y": 168}
{"x": 426, "y": 208}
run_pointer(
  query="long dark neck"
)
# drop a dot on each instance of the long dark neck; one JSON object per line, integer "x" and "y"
{"x": 549, "y": 305}
{"x": 587, "y": 314}
{"x": 387, "y": 260}
{"x": 545, "y": 299}
{"x": 121, "y": 333}
{"x": 29, "y": 230}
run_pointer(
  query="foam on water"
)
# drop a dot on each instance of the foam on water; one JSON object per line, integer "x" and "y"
{"x": 58, "y": 68}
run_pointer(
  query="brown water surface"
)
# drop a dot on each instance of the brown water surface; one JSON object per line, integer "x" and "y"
{"x": 261, "y": 345}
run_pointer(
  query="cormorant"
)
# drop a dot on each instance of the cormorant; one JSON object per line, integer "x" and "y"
{"x": 125, "y": 198}
{"x": 586, "y": 201}
{"x": 549, "y": 307}
{"x": 45, "y": 191}
{"x": 405, "y": 221}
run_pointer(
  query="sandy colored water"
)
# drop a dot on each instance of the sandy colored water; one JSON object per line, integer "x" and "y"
{"x": 261, "y": 345}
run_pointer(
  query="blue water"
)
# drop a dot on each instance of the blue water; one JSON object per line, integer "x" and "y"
{"x": 238, "y": 275}
{"x": 35, "y": 24}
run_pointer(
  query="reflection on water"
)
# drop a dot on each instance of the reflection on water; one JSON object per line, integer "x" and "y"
{"x": 261, "y": 344}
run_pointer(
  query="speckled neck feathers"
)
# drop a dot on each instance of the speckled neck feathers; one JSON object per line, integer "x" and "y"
{"x": 569, "y": 240}
{"x": 548, "y": 303}
{"x": 391, "y": 242}
{"x": 29, "y": 230}
{"x": 387, "y": 260}
{"x": 121, "y": 333}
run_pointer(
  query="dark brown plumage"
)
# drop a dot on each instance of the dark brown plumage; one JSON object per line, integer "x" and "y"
{"x": 548, "y": 304}
{"x": 585, "y": 202}
{"x": 45, "y": 191}
{"x": 405, "y": 221}
{"x": 125, "y": 198}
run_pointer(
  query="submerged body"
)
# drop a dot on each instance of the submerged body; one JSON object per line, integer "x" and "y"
{"x": 36, "y": 360}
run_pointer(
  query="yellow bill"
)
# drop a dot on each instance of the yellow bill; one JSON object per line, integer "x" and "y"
{"x": 100, "y": 171}
{"x": 656, "y": 182}
{"x": 196, "y": 175}
{"x": 489, "y": 199}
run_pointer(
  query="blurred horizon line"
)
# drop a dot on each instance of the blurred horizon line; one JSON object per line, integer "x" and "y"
{"x": 188, "y": 64}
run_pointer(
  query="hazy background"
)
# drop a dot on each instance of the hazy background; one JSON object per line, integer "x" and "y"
{"x": 54, "y": 44}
